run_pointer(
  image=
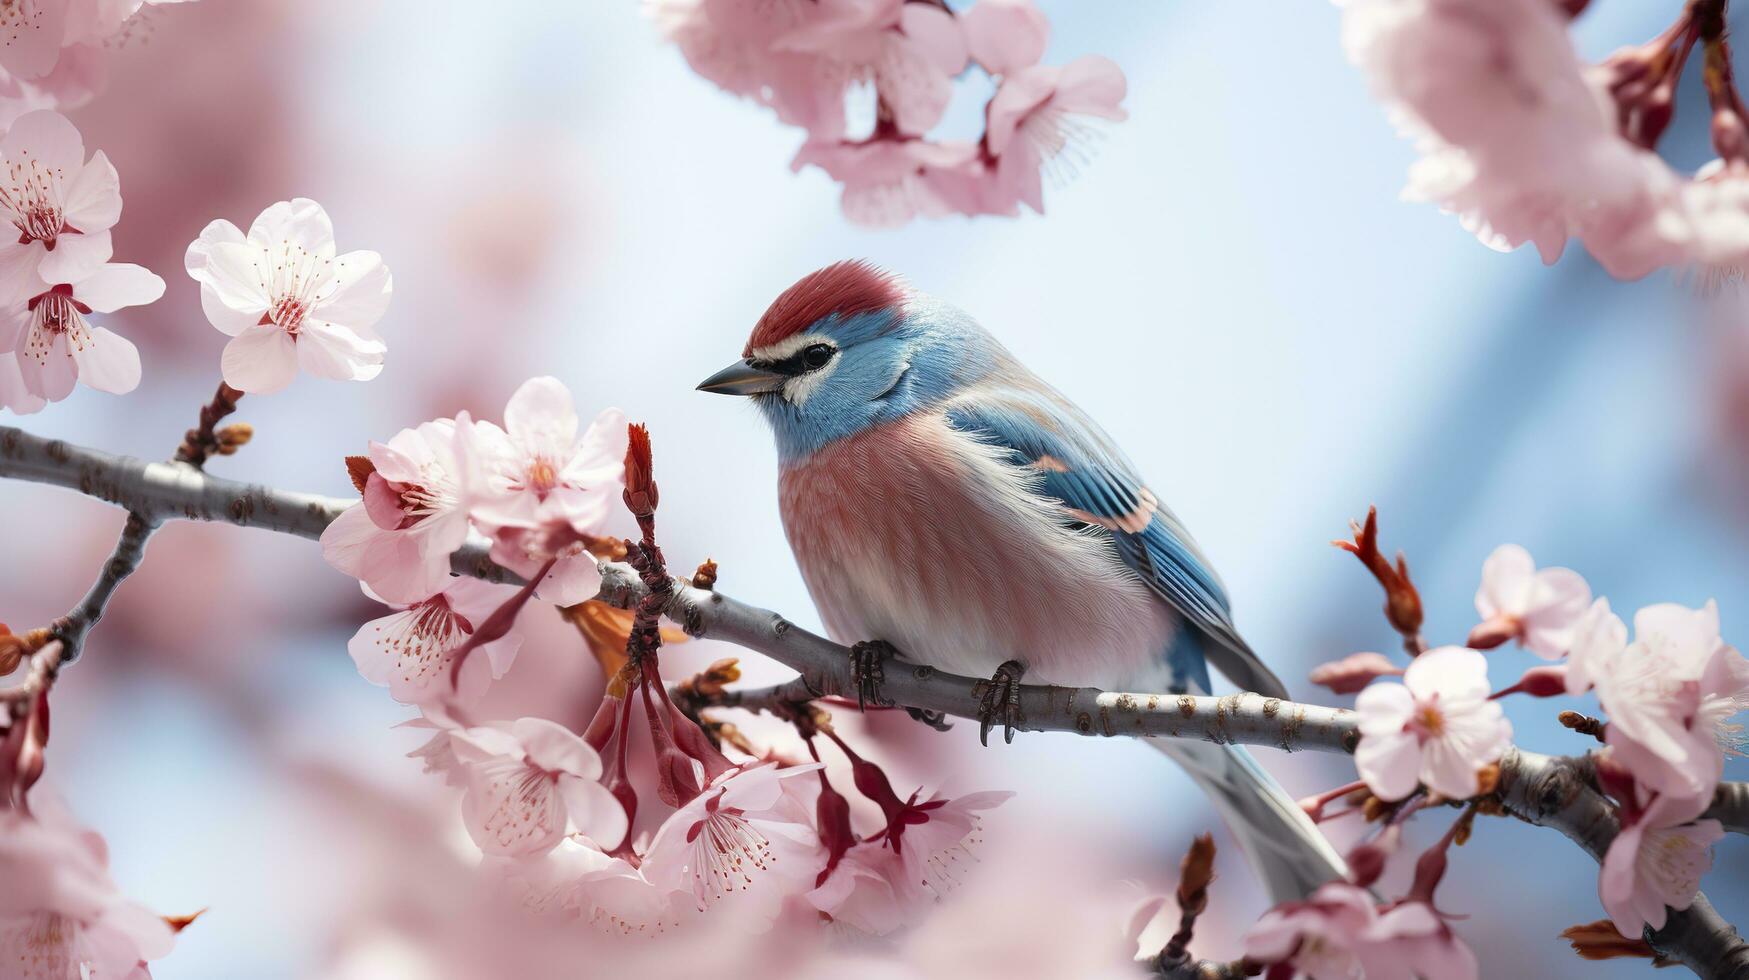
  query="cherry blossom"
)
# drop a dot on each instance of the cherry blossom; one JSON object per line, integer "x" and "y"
{"x": 910, "y": 52}
{"x": 887, "y": 183}
{"x": 525, "y": 780}
{"x": 1038, "y": 115}
{"x": 1655, "y": 862}
{"x": 748, "y": 835}
{"x": 1438, "y": 727}
{"x": 1669, "y": 694}
{"x": 410, "y": 651}
{"x": 61, "y": 205}
{"x": 1005, "y": 36}
{"x": 936, "y": 839}
{"x": 57, "y": 346}
{"x": 1319, "y": 937}
{"x": 541, "y": 488}
{"x": 287, "y": 299}
{"x": 399, "y": 538}
{"x": 1537, "y": 608}
{"x": 1410, "y": 941}
{"x": 60, "y": 913}
{"x": 867, "y": 891}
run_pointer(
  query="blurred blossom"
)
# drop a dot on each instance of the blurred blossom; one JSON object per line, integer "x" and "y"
{"x": 1353, "y": 672}
{"x": 1538, "y": 608}
{"x": 1438, "y": 727}
{"x": 1320, "y": 937}
{"x": 1657, "y": 860}
{"x": 410, "y": 651}
{"x": 60, "y": 914}
{"x": 287, "y": 300}
{"x": 805, "y": 59}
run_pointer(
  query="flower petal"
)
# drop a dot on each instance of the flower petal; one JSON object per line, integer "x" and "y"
{"x": 262, "y": 359}
{"x": 299, "y": 222}
{"x": 93, "y": 200}
{"x": 108, "y": 362}
{"x": 328, "y": 350}
{"x": 360, "y": 290}
{"x": 116, "y": 285}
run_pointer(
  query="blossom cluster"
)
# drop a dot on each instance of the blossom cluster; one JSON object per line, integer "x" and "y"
{"x": 553, "y": 811}
{"x": 52, "y": 51}
{"x": 807, "y": 60}
{"x": 58, "y": 271}
{"x": 1526, "y": 143}
{"x": 1668, "y": 695}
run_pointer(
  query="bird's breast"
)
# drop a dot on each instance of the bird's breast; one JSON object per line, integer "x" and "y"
{"x": 915, "y": 533}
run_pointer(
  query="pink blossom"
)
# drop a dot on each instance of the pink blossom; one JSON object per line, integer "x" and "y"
{"x": 1411, "y": 941}
{"x": 60, "y": 914}
{"x": 286, "y": 299}
{"x": 1319, "y": 937}
{"x": 910, "y": 52}
{"x": 1539, "y": 608}
{"x": 1669, "y": 694}
{"x": 57, "y": 346}
{"x": 541, "y": 488}
{"x": 1038, "y": 116}
{"x": 889, "y": 182}
{"x": 868, "y": 891}
{"x": 33, "y": 33}
{"x": 1654, "y": 862}
{"x": 748, "y": 836}
{"x": 410, "y": 651}
{"x": 399, "y": 538}
{"x": 1517, "y": 140}
{"x": 1353, "y": 672}
{"x": 731, "y": 43}
{"x": 61, "y": 205}
{"x": 1438, "y": 727}
{"x": 525, "y": 780}
{"x": 939, "y": 837}
{"x": 1005, "y": 36}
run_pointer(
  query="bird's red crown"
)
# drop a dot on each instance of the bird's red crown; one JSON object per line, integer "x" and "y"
{"x": 843, "y": 288}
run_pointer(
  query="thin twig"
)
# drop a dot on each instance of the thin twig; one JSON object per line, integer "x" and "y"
{"x": 130, "y": 549}
{"x": 202, "y": 441}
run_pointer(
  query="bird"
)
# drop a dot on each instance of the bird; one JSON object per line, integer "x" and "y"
{"x": 945, "y": 504}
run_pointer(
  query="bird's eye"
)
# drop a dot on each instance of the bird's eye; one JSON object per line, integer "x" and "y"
{"x": 815, "y": 357}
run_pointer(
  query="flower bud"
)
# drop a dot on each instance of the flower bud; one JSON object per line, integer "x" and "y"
{"x": 1353, "y": 672}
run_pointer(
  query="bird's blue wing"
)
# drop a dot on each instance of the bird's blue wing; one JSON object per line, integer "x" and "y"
{"x": 1074, "y": 463}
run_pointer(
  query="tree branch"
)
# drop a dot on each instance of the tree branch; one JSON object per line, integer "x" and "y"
{"x": 1549, "y": 791}
{"x": 130, "y": 549}
{"x": 1731, "y": 807}
{"x": 1557, "y": 792}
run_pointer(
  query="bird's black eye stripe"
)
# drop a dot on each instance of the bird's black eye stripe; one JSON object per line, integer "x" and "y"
{"x": 810, "y": 358}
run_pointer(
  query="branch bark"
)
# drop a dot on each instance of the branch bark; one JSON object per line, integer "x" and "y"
{"x": 1731, "y": 807}
{"x": 1549, "y": 791}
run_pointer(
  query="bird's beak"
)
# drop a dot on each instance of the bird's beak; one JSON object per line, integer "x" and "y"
{"x": 743, "y": 378}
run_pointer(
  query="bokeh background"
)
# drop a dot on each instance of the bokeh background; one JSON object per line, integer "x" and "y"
{"x": 1231, "y": 286}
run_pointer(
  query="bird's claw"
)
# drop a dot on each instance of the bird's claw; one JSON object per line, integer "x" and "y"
{"x": 1001, "y": 693}
{"x": 867, "y": 672}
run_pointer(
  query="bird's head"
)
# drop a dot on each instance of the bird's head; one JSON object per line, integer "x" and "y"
{"x": 849, "y": 347}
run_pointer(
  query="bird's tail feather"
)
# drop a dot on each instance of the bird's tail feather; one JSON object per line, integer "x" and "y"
{"x": 1287, "y": 850}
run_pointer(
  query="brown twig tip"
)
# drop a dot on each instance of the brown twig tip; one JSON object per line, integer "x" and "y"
{"x": 1402, "y": 601}
{"x": 202, "y": 442}
{"x": 177, "y": 923}
{"x": 708, "y": 683}
{"x": 641, "y": 496}
{"x": 234, "y": 437}
{"x": 706, "y": 576}
{"x": 1194, "y": 876}
{"x": 1197, "y": 873}
{"x": 1583, "y": 724}
{"x": 1600, "y": 941}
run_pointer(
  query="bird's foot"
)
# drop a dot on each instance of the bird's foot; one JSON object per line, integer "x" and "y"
{"x": 867, "y": 672}
{"x": 1001, "y": 693}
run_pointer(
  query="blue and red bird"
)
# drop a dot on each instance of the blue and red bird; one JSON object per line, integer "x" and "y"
{"x": 942, "y": 499}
